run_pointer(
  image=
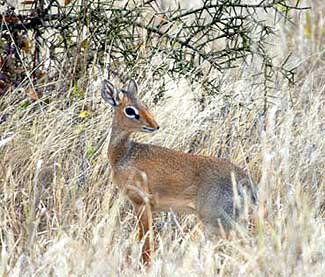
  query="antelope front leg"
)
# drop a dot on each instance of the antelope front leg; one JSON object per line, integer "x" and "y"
{"x": 144, "y": 216}
{"x": 138, "y": 192}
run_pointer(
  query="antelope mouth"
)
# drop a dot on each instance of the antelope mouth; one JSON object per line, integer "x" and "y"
{"x": 148, "y": 129}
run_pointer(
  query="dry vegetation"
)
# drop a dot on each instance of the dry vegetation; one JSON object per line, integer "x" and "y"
{"x": 60, "y": 214}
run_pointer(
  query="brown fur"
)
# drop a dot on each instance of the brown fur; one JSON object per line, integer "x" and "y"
{"x": 160, "y": 179}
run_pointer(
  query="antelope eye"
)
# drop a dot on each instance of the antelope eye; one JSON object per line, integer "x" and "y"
{"x": 131, "y": 112}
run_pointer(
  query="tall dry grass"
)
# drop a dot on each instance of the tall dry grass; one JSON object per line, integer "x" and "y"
{"x": 61, "y": 215}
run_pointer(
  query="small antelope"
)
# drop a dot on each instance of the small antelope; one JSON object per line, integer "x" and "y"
{"x": 160, "y": 179}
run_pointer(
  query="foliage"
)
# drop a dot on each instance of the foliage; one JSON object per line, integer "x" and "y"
{"x": 199, "y": 42}
{"x": 60, "y": 214}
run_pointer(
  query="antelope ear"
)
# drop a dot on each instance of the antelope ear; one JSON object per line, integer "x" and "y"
{"x": 110, "y": 93}
{"x": 133, "y": 87}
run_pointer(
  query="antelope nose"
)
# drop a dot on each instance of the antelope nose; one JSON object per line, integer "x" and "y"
{"x": 157, "y": 127}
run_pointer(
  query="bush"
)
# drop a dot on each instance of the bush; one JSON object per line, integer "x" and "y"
{"x": 42, "y": 38}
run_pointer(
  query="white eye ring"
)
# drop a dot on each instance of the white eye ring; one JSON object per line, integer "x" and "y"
{"x": 131, "y": 112}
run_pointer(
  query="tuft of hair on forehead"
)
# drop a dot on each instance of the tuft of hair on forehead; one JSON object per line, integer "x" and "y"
{"x": 129, "y": 95}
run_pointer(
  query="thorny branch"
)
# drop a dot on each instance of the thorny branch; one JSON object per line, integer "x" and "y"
{"x": 213, "y": 37}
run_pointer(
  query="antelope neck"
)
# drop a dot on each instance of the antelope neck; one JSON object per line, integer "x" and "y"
{"x": 119, "y": 144}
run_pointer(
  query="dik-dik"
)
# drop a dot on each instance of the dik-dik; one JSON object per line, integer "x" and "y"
{"x": 160, "y": 179}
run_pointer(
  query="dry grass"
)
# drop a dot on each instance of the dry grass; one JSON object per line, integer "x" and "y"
{"x": 60, "y": 214}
